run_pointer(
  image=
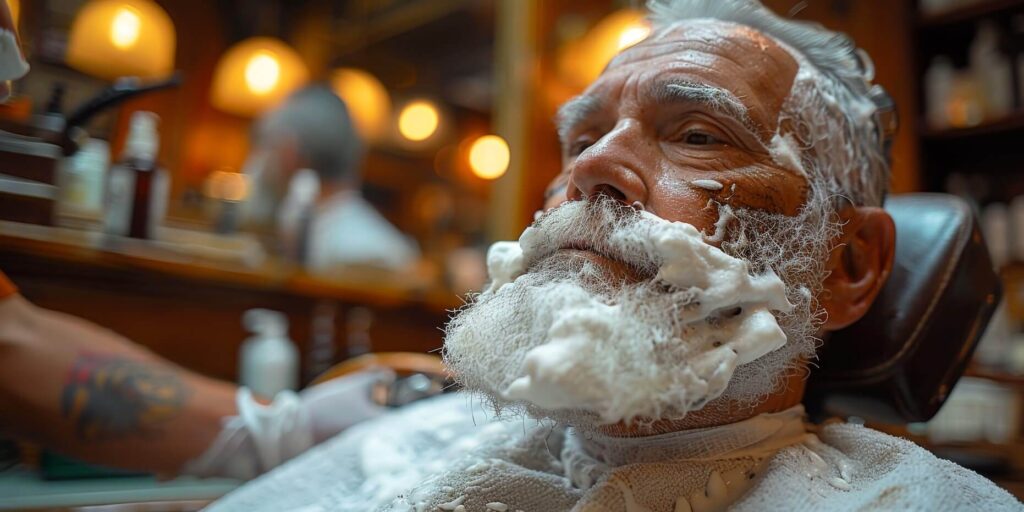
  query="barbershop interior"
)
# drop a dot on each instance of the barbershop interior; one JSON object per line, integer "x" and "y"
{"x": 511, "y": 255}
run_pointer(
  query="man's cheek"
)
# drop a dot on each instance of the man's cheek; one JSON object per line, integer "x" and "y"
{"x": 762, "y": 188}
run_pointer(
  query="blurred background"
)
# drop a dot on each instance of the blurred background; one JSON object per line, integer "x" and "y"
{"x": 453, "y": 102}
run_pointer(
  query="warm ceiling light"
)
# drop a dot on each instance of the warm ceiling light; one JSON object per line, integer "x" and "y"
{"x": 489, "y": 157}
{"x": 124, "y": 31}
{"x": 114, "y": 38}
{"x": 367, "y": 101}
{"x": 262, "y": 72}
{"x": 582, "y": 60}
{"x": 418, "y": 120}
{"x": 15, "y": 6}
{"x": 255, "y": 75}
{"x": 633, "y": 34}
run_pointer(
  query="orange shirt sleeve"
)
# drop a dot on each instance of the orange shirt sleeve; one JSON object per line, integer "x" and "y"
{"x": 7, "y": 288}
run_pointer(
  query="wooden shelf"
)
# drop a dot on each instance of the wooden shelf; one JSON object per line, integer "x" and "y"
{"x": 1011, "y": 123}
{"x": 968, "y": 14}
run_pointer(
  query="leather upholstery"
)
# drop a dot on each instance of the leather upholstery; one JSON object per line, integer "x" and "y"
{"x": 899, "y": 362}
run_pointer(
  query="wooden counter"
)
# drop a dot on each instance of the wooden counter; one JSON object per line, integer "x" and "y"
{"x": 184, "y": 296}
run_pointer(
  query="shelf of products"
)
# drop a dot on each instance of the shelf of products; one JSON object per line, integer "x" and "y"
{"x": 1005, "y": 125}
{"x": 968, "y": 13}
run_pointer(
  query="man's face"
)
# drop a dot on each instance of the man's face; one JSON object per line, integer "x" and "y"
{"x": 698, "y": 101}
{"x": 618, "y": 304}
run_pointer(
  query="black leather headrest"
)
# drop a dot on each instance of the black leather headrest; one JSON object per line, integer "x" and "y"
{"x": 899, "y": 363}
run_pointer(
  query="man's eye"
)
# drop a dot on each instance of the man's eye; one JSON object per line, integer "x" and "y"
{"x": 579, "y": 146}
{"x": 700, "y": 139}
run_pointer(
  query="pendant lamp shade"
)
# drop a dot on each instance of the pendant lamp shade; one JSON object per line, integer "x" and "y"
{"x": 255, "y": 75}
{"x": 114, "y": 38}
{"x": 367, "y": 100}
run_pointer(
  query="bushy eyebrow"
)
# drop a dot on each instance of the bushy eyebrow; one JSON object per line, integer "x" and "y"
{"x": 715, "y": 99}
{"x": 575, "y": 112}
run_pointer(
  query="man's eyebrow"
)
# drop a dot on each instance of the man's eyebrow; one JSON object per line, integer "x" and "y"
{"x": 714, "y": 98}
{"x": 574, "y": 112}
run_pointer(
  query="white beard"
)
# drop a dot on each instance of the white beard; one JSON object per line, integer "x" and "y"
{"x": 557, "y": 336}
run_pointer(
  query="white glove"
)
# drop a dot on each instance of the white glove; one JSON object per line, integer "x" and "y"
{"x": 262, "y": 437}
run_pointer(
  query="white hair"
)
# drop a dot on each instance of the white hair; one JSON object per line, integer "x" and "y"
{"x": 833, "y": 113}
{"x": 323, "y": 128}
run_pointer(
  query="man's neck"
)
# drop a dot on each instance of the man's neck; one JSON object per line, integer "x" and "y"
{"x": 720, "y": 412}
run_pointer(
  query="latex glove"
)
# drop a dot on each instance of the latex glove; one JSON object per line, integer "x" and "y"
{"x": 262, "y": 437}
{"x": 338, "y": 404}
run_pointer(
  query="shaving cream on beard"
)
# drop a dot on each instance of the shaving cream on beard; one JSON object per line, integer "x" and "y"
{"x": 621, "y": 351}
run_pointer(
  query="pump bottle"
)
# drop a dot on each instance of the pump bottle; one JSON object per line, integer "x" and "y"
{"x": 269, "y": 361}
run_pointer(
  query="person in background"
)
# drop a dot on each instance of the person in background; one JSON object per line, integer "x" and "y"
{"x": 305, "y": 175}
{"x": 85, "y": 391}
{"x": 82, "y": 390}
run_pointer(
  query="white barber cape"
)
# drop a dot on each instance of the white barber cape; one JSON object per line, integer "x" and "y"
{"x": 444, "y": 455}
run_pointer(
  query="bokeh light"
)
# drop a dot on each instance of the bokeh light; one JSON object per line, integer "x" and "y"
{"x": 367, "y": 101}
{"x": 114, "y": 38}
{"x": 124, "y": 30}
{"x": 489, "y": 157}
{"x": 581, "y": 61}
{"x": 418, "y": 120}
{"x": 255, "y": 75}
{"x": 262, "y": 72}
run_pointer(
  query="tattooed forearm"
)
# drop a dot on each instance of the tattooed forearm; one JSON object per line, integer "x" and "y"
{"x": 108, "y": 397}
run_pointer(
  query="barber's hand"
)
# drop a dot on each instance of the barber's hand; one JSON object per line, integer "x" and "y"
{"x": 340, "y": 403}
{"x": 262, "y": 437}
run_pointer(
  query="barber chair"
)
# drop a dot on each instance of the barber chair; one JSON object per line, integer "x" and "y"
{"x": 899, "y": 363}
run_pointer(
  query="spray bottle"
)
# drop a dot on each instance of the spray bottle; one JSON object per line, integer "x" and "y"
{"x": 269, "y": 361}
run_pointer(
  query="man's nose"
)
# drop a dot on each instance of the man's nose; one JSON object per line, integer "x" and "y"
{"x": 610, "y": 167}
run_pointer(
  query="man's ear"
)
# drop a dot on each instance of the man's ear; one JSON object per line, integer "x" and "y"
{"x": 859, "y": 265}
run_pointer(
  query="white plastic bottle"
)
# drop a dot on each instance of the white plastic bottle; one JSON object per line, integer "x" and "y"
{"x": 82, "y": 179}
{"x": 938, "y": 86}
{"x": 269, "y": 361}
{"x": 992, "y": 71}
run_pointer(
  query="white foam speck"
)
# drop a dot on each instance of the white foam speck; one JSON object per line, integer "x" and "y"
{"x": 712, "y": 185}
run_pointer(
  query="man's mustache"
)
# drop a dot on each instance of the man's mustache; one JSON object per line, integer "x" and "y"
{"x": 600, "y": 225}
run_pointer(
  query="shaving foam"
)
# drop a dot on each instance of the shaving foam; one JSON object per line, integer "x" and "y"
{"x": 728, "y": 319}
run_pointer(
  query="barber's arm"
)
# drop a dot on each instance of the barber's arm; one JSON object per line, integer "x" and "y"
{"x": 85, "y": 391}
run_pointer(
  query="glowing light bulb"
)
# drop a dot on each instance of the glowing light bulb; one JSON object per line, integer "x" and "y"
{"x": 633, "y": 34}
{"x": 418, "y": 121}
{"x": 124, "y": 30}
{"x": 262, "y": 72}
{"x": 489, "y": 157}
{"x": 15, "y": 6}
{"x": 367, "y": 101}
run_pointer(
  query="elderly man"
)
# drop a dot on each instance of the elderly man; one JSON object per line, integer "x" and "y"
{"x": 720, "y": 214}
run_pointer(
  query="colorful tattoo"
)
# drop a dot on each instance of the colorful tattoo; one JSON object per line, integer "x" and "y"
{"x": 110, "y": 396}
